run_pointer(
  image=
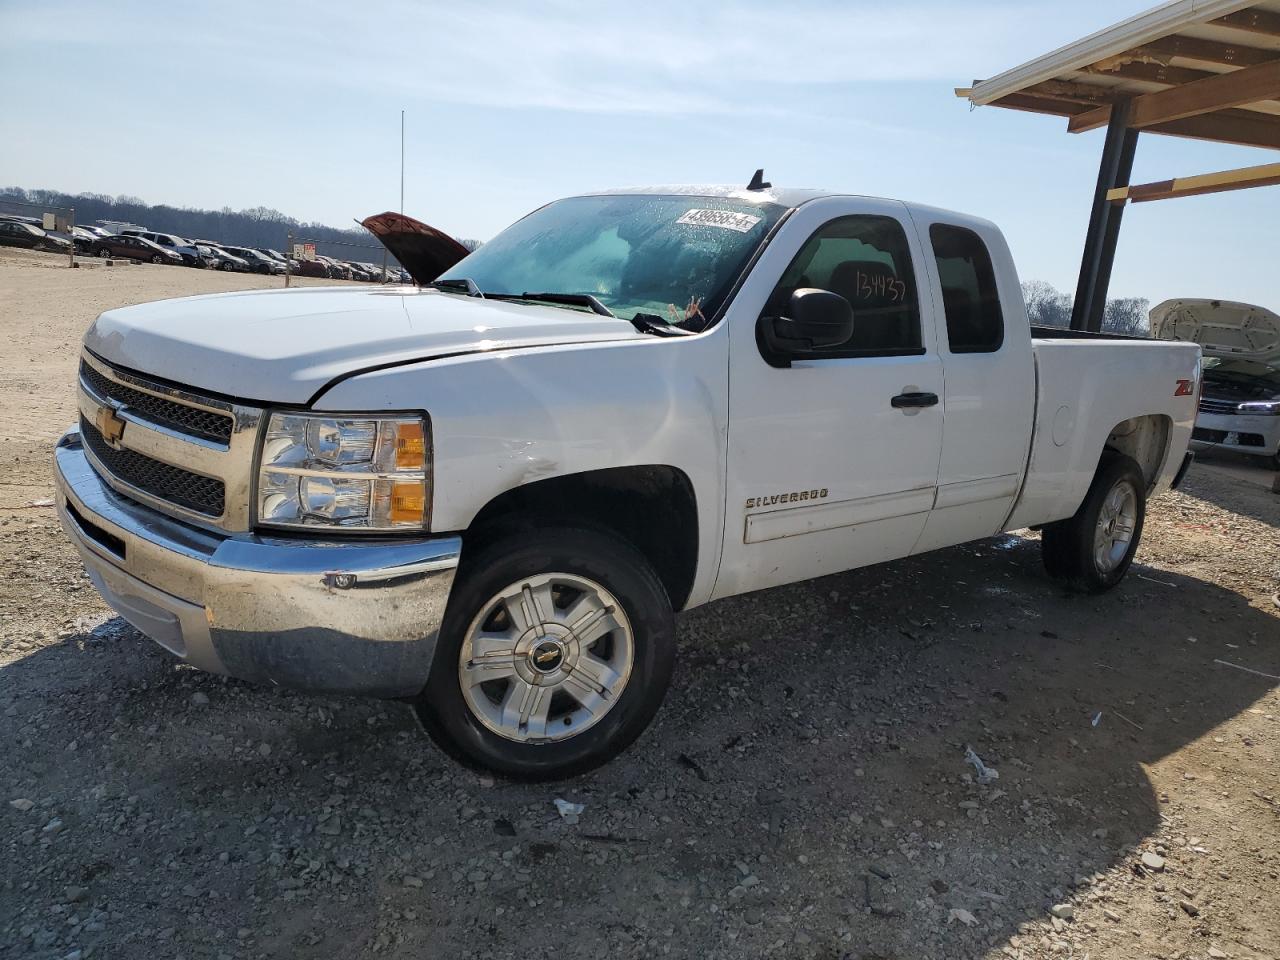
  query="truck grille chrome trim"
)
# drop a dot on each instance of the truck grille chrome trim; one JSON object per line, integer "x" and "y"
{"x": 180, "y": 452}
{"x": 1211, "y": 405}
{"x": 180, "y": 417}
{"x": 202, "y": 494}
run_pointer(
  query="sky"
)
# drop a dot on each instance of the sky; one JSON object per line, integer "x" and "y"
{"x": 296, "y": 106}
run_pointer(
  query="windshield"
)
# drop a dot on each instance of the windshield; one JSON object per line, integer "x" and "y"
{"x": 672, "y": 257}
{"x": 1241, "y": 371}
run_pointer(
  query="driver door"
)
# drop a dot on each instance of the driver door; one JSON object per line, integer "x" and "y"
{"x": 833, "y": 461}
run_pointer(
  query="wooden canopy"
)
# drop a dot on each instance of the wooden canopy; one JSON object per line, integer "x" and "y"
{"x": 1208, "y": 69}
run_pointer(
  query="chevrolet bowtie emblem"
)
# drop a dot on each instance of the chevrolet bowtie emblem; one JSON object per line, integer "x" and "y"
{"x": 110, "y": 426}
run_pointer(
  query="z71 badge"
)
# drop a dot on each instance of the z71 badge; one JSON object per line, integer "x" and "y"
{"x": 777, "y": 499}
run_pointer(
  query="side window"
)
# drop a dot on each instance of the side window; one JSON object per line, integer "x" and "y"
{"x": 969, "y": 296}
{"x": 866, "y": 260}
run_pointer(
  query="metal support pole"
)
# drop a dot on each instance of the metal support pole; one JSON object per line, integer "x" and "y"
{"x": 1104, "y": 221}
{"x": 288, "y": 256}
{"x": 71, "y": 232}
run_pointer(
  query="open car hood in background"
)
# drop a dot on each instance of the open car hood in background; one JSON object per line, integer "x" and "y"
{"x": 422, "y": 250}
{"x": 1221, "y": 327}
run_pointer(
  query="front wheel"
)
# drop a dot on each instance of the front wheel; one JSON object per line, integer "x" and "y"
{"x": 555, "y": 653}
{"x": 1092, "y": 550}
{"x": 156, "y": 258}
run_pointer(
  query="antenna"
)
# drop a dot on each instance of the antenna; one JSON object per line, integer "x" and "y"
{"x": 758, "y": 182}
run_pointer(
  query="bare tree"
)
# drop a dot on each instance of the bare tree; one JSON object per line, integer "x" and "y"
{"x": 1046, "y": 307}
{"x": 1127, "y": 316}
{"x": 1049, "y": 307}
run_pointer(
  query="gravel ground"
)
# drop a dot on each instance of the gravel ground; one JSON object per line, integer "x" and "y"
{"x": 803, "y": 793}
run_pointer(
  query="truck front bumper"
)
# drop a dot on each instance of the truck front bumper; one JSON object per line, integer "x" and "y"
{"x": 356, "y": 616}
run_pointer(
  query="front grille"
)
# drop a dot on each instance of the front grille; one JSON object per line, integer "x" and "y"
{"x": 1220, "y": 436}
{"x": 1211, "y": 405}
{"x": 167, "y": 413}
{"x": 190, "y": 490}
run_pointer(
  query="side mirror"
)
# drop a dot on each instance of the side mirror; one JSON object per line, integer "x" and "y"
{"x": 815, "y": 319}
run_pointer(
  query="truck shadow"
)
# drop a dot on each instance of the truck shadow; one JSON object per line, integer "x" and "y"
{"x": 804, "y": 791}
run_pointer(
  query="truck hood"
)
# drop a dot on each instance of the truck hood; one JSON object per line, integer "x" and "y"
{"x": 421, "y": 249}
{"x": 1221, "y": 327}
{"x": 284, "y": 346}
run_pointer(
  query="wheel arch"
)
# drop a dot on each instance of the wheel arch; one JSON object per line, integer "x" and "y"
{"x": 1145, "y": 440}
{"x": 653, "y": 507}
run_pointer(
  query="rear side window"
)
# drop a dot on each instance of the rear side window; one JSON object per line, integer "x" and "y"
{"x": 865, "y": 259}
{"x": 970, "y": 300}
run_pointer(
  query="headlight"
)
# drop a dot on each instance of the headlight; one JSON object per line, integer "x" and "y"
{"x": 1259, "y": 406}
{"x": 322, "y": 470}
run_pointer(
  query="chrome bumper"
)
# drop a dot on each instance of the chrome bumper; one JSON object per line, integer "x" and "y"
{"x": 351, "y": 617}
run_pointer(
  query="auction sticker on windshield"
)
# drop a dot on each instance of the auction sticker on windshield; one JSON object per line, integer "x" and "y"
{"x": 728, "y": 219}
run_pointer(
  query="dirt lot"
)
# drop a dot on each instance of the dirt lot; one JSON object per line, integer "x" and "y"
{"x": 803, "y": 794}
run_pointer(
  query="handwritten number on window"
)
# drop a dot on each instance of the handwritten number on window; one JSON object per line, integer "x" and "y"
{"x": 881, "y": 285}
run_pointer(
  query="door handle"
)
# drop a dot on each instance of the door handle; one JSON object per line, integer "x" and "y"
{"x": 914, "y": 399}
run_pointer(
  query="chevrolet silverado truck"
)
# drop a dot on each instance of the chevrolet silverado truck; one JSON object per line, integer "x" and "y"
{"x": 489, "y": 493}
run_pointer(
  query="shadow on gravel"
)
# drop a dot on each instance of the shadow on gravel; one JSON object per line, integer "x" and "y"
{"x": 802, "y": 794}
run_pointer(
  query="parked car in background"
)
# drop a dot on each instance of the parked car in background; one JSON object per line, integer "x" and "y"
{"x": 277, "y": 256}
{"x": 83, "y": 239}
{"x": 311, "y": 268}
{"x": 337, "y": 269}
{"x": 19, "y": 233}
{"x": 258, "y": 262}
{"x": 134, "y": 248}
{"x": 221, "y": 258}
{"x": 1240, "y": 395}
{"x": 179, "y": 245}
{"x": 95, "y": 230}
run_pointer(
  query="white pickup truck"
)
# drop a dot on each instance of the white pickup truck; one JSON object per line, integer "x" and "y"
{"x": 490, "y": 492}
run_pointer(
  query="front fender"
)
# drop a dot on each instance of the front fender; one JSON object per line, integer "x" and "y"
{"x": 500, "y": 420}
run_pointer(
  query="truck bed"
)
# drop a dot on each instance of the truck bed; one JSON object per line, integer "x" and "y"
{"x": 1094, "y": 390}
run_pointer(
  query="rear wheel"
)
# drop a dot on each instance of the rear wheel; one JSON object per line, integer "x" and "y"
{"x": 104, "y": 253}
{"x": 156, "y": 258}
{"x": 555, "y": 653}
{"x": 1092, "y": 550}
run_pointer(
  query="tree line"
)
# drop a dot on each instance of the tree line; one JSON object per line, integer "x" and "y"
{"x": 1049, "y": 307}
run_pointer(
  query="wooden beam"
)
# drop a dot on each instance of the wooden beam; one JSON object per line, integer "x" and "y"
{"x": 1040, "y": 104}
{"x": 1268, "y": 174}
{"x": 1251, "y": 21}
{"x": 1147, "y": 71}
{"x": 1206, "y": 51}
{"x": 1076, "y": 92}
{"x": 1221, "y": 92}
{"x": 1242, "y": 127}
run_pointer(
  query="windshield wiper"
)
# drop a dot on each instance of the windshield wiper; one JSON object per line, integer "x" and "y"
{"x": 571, "y": 299}
{"x": 652, "y": 323}
{"x": 462, "y": 283}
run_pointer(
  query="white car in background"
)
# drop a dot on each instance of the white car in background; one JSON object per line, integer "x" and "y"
{"x": 1240, "y": 397}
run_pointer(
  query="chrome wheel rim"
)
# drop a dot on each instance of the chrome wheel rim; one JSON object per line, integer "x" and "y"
{"x": 546, "y": 658}
{"x": 1116, "y": 522}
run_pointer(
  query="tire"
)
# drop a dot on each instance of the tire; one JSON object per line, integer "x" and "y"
{"x": 228, "y": 266}
{"x": 1075, "y": 550}
{"x": 481, "y": 724}
{"x": 104, "y": 253}
{"x": 156, "y": 258}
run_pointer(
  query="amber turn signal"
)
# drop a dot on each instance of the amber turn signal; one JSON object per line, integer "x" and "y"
{"x": 411, "y": 447}
{"x": 408, "y": 501}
